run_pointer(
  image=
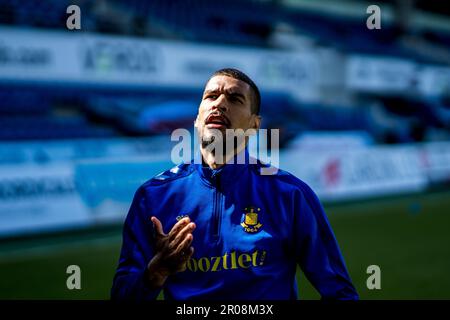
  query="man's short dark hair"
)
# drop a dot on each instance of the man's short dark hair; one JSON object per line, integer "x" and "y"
{"x": 239, "y": 75}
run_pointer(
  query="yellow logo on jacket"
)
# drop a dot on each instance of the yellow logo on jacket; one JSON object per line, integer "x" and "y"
{"x": 229, "y": 261}
{"x": 251, "y": 223}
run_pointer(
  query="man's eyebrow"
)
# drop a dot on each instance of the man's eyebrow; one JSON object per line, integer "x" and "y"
{"x": 211, "y": 91}
{"x": 236, "y": 94}
{"x": 230, "y": 92}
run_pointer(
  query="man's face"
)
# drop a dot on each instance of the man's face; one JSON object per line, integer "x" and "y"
{"x": 226, "y": 104}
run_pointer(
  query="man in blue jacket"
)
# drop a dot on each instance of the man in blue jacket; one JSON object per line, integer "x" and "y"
{"x": 220, "y": 229}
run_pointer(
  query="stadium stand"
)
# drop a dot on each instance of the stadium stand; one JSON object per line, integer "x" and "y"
{"x": 29, "y": 115}
{"x": 33, "y": 115}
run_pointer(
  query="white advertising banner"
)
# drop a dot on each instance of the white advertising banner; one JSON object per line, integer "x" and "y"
{"x": 434, "y": 81}
{"x": 367, "y": 172}
{"x": 63, "y": 196}
{"x": 376, "y": 74}
{"x": 435, "y": 161}
{"x": 35, "y": 198}
{"x": 79, "y": 58}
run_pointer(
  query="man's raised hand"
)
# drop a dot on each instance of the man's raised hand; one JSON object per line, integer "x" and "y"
{"x": 172, "y": 250}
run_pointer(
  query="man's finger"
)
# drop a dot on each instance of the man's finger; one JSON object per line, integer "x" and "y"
{"x": 182, "y": 234}
{"x": 158, "y": 226}
{"x": 185, "y": 258}
{"x": 190, "y": 253}
{"x": 184, "y": 245}
{"x": 178, "y": 226}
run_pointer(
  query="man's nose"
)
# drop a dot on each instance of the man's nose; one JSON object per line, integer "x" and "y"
{"x": 220, "y": 104}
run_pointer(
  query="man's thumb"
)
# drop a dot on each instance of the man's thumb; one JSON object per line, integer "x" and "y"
{"x": 158, "y": 226}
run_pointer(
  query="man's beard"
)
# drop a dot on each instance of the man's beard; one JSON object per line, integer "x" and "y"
{"x": 206, "y": 141}
{"x": 226, "y": 143}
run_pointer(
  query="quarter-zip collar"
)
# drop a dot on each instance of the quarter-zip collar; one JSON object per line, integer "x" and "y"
{"x": 228, "y": 172}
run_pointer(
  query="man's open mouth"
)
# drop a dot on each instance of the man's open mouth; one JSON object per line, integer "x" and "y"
{"x": 216, "y": 121}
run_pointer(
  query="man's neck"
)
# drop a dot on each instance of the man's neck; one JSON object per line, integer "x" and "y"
{"x": 215, "y": 162}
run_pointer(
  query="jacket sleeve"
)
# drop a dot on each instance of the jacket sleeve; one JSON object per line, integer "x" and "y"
{"x": 317, "y": 250}
{"x": 130, "y": 281}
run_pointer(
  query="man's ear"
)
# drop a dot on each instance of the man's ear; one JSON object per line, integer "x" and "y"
{"x": 256, "y": 122}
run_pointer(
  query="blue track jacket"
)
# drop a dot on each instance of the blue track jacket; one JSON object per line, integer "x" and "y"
{"x": 252, "y": 232}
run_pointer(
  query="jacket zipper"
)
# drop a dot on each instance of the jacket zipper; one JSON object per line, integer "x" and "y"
{"x": 217, "y": 213}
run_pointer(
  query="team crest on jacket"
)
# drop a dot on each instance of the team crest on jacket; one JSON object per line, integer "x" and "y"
{"x": 250, "y": 220}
